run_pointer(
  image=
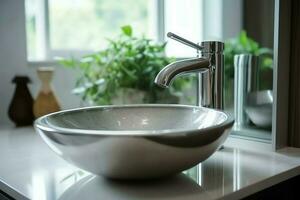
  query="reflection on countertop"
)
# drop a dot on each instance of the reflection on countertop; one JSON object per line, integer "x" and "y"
{"x": 177, "y": 187}
{"x": 30, "y": 170}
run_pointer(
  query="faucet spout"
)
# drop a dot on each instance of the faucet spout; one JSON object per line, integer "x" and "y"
{"x": 165, "y": 77}
{"x": 210, "y": 69}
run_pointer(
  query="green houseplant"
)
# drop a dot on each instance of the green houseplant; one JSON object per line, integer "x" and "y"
{"x": 127, "y": 62}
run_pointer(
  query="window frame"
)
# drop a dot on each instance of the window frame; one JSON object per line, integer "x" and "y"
{"x": 282, "y": 28}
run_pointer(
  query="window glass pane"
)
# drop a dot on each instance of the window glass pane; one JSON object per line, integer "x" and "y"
{"x": 81, "y": 24}
{"x": 184, "y": 18}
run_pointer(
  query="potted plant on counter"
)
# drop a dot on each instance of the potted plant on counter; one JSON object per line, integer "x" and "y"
{"x": 124, "y": 72}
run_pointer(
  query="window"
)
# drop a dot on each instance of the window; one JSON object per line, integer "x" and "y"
{"x": 75, "y": 27}
{"x": 56, "y": 27}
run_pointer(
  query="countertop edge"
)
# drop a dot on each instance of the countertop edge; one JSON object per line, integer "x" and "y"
{"x": 263, "y": 184}
{"x": 11, "y": 191}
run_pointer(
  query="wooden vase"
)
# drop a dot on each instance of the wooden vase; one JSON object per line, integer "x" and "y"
{"x": 20, "y": 109}
{"x": 46, "y": 101}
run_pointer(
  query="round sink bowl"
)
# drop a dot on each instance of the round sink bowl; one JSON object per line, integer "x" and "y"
{"x": 135, "y": 141}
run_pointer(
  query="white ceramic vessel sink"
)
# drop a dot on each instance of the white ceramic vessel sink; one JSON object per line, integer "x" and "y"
{"x": 135, "y": 141}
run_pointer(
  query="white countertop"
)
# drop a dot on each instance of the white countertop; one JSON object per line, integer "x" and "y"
{"x": 30, "y": 170}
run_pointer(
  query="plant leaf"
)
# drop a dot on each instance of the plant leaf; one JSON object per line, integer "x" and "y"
{"x": 243, "y": 38}
{"x": 127, "y": 30}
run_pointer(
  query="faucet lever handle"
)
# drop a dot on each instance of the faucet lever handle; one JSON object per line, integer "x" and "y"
{"x": 184, "y": 41}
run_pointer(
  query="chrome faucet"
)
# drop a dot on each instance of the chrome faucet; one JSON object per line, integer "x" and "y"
{"x": 209, "y": 68}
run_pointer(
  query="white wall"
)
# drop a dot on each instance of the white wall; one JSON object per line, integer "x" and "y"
{"x": 13, "y": 60}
